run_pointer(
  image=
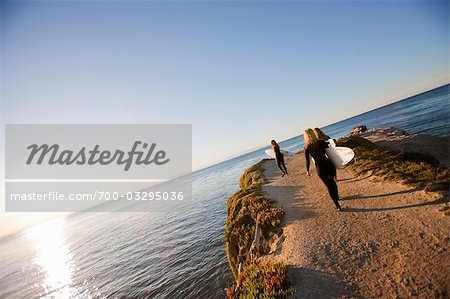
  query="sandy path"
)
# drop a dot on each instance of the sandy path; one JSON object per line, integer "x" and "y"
{"x": 390, "y": 240}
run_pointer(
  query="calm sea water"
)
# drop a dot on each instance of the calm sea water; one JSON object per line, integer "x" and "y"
{"x": 172, "y": 254}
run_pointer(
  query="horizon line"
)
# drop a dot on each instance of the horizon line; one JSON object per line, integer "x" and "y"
{"x": 372, "y": 109}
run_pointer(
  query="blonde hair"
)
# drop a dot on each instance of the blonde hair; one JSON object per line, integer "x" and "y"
{"x": 320, "y": 134}
{"x": 310, "y": 137}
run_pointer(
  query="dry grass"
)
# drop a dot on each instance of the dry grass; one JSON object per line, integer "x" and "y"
{"x": 415, "y": 169}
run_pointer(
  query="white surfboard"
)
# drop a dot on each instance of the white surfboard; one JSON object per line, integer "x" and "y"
{"x": 331, "y": 143}
{"x": 340, "y": 155}
{"x": 286, "y": 154}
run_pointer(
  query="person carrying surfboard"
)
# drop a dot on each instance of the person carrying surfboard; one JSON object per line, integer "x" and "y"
{"x": 326, "y": 171}
{"x": 330, "y": 142}
{"x": 279, "y": 157}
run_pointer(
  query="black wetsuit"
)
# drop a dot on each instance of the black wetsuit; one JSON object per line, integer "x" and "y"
{"x": 280, "y": 159}
{"x": 325, "y": 169}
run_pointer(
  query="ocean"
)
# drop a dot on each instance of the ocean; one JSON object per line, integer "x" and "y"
{"x": 169, "y": 254}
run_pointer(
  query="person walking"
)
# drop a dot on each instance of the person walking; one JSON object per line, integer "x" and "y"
{"x": 326, "y": 171}
{"x": 279, "y": 157}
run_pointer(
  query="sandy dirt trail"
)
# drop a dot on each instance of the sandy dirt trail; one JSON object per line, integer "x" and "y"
{"x": 389, "y": 241}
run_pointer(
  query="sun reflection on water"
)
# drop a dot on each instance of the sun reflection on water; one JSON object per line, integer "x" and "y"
{"x": 53, "y": 257}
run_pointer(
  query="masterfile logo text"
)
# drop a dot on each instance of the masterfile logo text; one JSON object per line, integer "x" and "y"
{"x": 79, "y": 167}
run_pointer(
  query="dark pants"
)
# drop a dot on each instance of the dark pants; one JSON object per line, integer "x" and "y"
{"x": 280, "y": 163}
{"x": 327, "y": 173}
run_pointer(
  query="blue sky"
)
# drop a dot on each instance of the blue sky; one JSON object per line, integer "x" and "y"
{"x": 242, "y": 73}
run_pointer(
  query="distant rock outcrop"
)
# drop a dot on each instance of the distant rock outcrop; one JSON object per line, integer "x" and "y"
{"x": 384, "y": 133}
{"x": 358, "y": 130}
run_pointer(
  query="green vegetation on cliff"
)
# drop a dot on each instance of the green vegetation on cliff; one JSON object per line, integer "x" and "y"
{"x": 252, "y": 222}
{"x": 415, "y": 169}
{"x": 261, "y": 280}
